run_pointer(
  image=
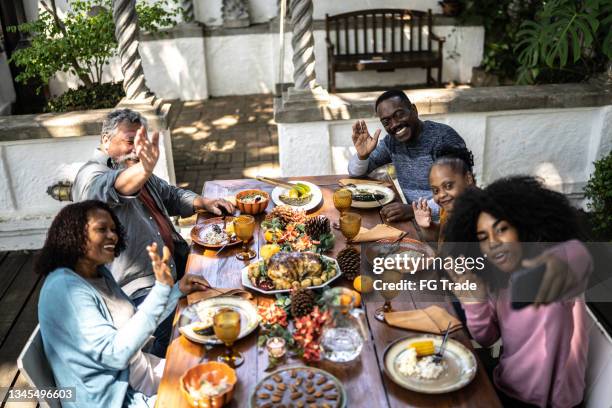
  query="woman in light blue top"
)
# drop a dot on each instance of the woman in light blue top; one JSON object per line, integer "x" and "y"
{"x": 92, "y": 334}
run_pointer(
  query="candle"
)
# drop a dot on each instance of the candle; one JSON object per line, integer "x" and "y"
{"x": 276, "y": 347}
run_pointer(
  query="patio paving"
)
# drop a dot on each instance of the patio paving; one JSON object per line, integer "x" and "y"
{"x": 224, "y": 138}
{"x": 19, "y": 289}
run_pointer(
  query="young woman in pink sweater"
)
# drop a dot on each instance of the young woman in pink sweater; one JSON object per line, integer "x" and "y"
{"x": 516, "y": 223}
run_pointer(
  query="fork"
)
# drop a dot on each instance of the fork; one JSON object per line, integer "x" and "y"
{"x": 437, "y": 358}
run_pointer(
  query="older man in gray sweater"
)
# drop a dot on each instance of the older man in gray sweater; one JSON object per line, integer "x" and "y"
{"x": 120, "y": 173}
{"x": 410, "y": 145}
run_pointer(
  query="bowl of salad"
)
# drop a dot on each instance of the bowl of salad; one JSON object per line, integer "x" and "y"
{"x": 252, "y": 201}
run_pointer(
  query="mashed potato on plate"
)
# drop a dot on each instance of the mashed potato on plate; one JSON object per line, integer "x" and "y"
{"x": 409, "y": 365}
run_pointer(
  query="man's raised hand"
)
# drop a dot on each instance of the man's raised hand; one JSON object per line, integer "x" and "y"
{"x": 364, "y": 143}
{"x": 147, "y": 150}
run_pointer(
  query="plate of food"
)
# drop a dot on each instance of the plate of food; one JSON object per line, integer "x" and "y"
{"x": 409, "y": 363}
{"x": 370, "y": 195}
{"x": 299, "y": 386}
{"x": 304, "y": 196}
{"x": 196, "y": 320}
{"x": 285, "y": 271}
{"x": 215, "y": 233}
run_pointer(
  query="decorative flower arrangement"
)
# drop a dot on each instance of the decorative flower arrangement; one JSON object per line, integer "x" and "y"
{"x": 293, "y": 230}
{"x": 302, "y": 337}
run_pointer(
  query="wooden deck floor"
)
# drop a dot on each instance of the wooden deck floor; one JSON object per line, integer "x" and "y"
{"x": 19, "y": 289}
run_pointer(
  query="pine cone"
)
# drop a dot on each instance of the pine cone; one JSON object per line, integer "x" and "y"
{"x": 317, "y": 226}
{"x": 302, "y": 302}
{"x": 349, "y": 262}
{"x": 286, "y": 215}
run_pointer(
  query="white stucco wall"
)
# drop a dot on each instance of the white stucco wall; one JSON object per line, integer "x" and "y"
{"x": 261, "y": 11}
{"x": 252, "y": 64}
{"x": 196, "y": 67}
{"x": 26, "y": 210}
{"x": 559, "y": 145}
{"x": 175, "y": 68}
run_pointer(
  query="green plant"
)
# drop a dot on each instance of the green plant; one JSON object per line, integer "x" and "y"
{"x": 95, "y": 96}
{"x": 83, "y": 41}
{"x": 598, "y": 191}
{"x": 568, "y": 40}
{"x": 501, "y": 20}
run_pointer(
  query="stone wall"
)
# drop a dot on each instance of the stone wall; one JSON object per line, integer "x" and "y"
{"x": 553, "y": 131}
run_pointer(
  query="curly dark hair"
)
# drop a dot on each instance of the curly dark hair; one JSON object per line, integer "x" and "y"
{"x": 459, "y": 159}
{"x": 539, "y": 215}
{"x": 67, "y": 237}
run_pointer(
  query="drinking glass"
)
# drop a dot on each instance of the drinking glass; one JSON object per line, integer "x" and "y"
{"x": 388, "y": 295}
{"x": 350, "y": 223}
{"x": 343, "y": 198}
{"x": 226, "y": 324}
{"x": 244, "y": 226}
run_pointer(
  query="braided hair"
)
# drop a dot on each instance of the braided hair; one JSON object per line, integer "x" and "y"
{"x": 459, "y": 159}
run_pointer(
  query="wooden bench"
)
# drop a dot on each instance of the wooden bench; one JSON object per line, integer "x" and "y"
{"x": 381, "y": 40}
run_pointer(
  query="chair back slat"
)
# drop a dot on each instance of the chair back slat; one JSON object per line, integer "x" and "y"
{"x": 420, "y": 34}
{"x": 355, "y": 33}
{"x": 429, "y": 24}
{"x": 347, "y": 49}
{"x": 365, "y": 33}
{"x": 393, "y": 33}
{"x": 384, "y": 33}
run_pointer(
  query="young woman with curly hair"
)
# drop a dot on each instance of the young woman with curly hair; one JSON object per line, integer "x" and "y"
{"x": 92, "y": 334}
{"x": 516, "y": 222}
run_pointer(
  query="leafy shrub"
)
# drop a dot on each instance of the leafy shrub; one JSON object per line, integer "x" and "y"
{"x": 599, "y": 193}
{"x": 501, "y": 20}
{"x": 96, "y": 96}
{"x": 569, "y": 40}
{"x": 81, "y": 42}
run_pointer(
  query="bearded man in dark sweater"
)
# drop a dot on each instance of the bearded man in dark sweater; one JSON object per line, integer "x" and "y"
{"x": 410, "y": 144}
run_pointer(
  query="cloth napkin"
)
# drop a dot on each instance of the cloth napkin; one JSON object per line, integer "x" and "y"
{"x": 432, "y": 319}
{"x": 211, "y": 293}
{"x": 381, "y": 231}
{"x": 346, "y": 181}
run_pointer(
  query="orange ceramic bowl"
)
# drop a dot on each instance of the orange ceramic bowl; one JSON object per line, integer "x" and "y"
{"x": 252, "y": 208}
{"x": 213, "y": 371}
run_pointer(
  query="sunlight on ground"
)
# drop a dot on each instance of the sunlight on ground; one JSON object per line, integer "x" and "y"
{"x": 269, "y": 150}
{"x": 214, "y": 146}
{"x": 266, "y": 169}
{"x": 188, "y": 130}
{"x": 226, "y": 121}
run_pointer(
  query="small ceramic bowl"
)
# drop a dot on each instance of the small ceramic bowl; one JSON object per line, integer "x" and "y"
{"x": 252, "y": 208}
{"x": 215, "y": 371}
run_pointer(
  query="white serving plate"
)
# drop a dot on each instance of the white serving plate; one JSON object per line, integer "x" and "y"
{"x": 247, "y": 283}
{"x": 249, "y": 319}
{"x": 317, "y": 196}
{"x": 389, "y": 196}
{"x": 460, "y": 361}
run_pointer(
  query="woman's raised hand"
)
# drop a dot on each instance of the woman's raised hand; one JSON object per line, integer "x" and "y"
{"x": 161, "y": 266}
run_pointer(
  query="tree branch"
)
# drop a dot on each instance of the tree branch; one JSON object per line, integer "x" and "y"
{"x": 60, "y": 26}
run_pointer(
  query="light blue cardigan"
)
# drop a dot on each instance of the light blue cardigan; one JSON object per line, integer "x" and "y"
{"x": 83, "y": 346}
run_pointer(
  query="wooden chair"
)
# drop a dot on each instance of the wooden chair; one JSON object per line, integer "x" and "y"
{"x": 381, "y": 40}
{"x": 33, "y": 364}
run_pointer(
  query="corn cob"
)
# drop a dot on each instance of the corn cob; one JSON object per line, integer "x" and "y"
{"x": 423, "y": 348}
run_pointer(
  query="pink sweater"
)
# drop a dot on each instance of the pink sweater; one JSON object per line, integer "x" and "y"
{"x": 544, "y": 349}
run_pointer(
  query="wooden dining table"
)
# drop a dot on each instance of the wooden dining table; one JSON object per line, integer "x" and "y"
{"x": 365, "y": 381}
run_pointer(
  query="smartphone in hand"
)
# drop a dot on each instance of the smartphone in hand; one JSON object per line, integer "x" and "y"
{"x": 525, "y": 284}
